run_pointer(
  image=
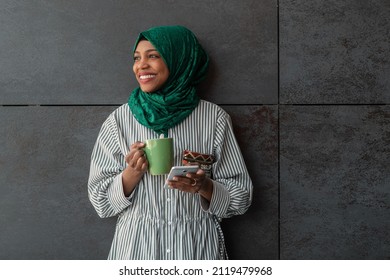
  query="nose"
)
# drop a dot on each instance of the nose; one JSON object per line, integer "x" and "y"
{"x": 143, "y": 63}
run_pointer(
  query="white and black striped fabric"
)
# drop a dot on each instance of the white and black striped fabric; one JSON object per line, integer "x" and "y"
{"x": 158, "y": 223}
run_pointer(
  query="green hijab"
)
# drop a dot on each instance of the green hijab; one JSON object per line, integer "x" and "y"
{"x": 187, "y": 63}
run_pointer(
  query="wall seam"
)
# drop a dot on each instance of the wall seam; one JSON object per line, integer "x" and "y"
{"x": 278, "y": 114}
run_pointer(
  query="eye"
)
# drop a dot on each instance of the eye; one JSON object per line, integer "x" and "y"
{"x": 153, "y": 55}
{"x": 136, "y": 58}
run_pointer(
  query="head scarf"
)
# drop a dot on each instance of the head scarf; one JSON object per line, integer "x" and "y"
{"x": 187, "y": 63}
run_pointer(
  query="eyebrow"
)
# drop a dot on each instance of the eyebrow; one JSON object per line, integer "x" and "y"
{"x": 149, "y": 50}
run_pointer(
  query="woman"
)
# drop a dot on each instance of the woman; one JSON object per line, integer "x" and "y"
{"x": 155, "y": 222}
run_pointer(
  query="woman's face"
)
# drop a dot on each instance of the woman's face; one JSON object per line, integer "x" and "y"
{"x": 149, "y": 67}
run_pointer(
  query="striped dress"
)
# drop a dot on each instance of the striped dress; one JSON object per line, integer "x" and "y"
{"x": 164, "y": 224}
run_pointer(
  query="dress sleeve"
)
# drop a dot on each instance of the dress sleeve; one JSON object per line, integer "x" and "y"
{"x": 232, "y": 191}
{"x": 105, "y": 189}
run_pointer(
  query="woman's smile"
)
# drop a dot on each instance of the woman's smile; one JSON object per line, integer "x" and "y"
{"x": 146, "y": 77}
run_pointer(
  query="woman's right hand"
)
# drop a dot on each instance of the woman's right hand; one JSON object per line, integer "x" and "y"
{"x": 137, "y": 165}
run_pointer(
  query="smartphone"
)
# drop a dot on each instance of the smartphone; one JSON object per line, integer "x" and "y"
{"x": 181, "y": 171}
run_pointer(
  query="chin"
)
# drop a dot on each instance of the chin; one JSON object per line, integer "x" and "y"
{"x": 148, "y": 90}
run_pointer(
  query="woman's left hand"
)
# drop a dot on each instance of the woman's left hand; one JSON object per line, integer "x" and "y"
{"x": 193, "y": 183}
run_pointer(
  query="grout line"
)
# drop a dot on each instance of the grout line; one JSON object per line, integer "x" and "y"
{"x": 247, "y": 105}
{"x": 57, "y": 105}
{"x": 336, "y": 104}
{"x": 278, "y": 112}
{"x": 279, "y": 185}
{"x": 79, "y": 105}
{"x": 17, "y": 105}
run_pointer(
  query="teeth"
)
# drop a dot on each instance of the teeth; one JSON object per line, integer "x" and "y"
{"x": 142, "y": 77}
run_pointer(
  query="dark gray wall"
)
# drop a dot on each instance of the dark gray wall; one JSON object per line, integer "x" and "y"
{"x": 307, "y": 86}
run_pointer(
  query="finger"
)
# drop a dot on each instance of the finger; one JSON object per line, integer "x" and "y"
{"x": 185, "y": 181}
{"x": 130, "y": 155}
{"x": 180, "y": 185}
{"x": 137, "y": 145}
{"x": 144, "y": 166}
{"x": 198, "y": 179}
{"x": 138, "y": 154}
{"x": 134, "y": 149}
{"x": 140, "y": 163}
{"x": 197, "y": 175}
{"x": 137, "y": 160}
{"x": 192, "y": 173}
{"x": 201, "y": 172}
{"x": 127, "y": 158}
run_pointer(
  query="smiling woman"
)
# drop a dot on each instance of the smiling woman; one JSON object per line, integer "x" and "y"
{"x": 183, "y": 221}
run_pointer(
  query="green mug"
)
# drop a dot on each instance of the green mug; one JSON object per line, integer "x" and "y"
{"x": 160, "y": 155}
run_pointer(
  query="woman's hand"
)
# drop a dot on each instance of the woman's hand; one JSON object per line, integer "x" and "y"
{"x": 193, "y": 183}
{"x": 137, "y": 165}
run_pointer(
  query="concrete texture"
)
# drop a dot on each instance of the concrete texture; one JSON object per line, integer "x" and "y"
{"x": 255, "y": 234}
{"x": 334, "y": 182}
{"x": 334, "y": 52}
{"x": 44, "y": 161}
{"x": 79, "y": 52}
{"x": 306, "y": 84}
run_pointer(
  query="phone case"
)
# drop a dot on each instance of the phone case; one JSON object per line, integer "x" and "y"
{"x": 204, "y": 161}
